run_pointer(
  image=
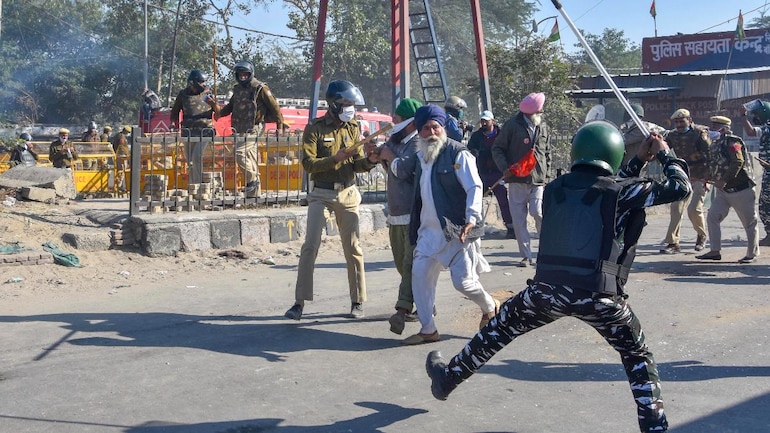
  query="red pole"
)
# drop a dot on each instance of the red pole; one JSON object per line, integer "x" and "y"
{"x": 481, "y": 56}
{"x": 318, "y": 60}
{"x": 399, "y": 52}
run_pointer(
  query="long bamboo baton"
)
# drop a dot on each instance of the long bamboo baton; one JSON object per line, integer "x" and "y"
{"x": 214, "y": 55}
{"x": 369, "y": 139}
{"x": 603, "y": 71}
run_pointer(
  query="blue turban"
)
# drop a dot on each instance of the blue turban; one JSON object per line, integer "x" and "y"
{"x": 429, "y": 112}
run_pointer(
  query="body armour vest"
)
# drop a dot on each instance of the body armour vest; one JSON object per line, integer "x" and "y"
{"x": 578, "y": 245}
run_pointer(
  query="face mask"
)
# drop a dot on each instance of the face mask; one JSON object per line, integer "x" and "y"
{"x": 536, "y": 118}
{"x": 347, "y": 113}
{"x": 63, "y": 139}
{"x": 460, "y": 114}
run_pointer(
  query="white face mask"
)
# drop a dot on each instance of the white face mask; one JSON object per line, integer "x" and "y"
{"x": 63, "y": 139}
{"x": 347, "y": 113}
{"x": 536, "y": 118}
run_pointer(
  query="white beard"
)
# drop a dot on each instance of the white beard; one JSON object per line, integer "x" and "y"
{"x": 431, "y": 146}
{"x": 536, "y": 119}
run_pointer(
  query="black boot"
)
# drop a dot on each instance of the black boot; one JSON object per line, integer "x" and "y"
{"x": 440, "y": 385}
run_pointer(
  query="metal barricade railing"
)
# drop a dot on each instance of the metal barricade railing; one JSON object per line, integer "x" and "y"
{"x": 195, "y": 170}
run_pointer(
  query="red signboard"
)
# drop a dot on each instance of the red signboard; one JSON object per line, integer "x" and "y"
{"x": 706, "y": 51}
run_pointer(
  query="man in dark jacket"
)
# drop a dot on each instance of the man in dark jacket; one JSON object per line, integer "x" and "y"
{"x": 522, "y": 150}
{"x": 591, "y": 223}
{"x": 480, "y": 145}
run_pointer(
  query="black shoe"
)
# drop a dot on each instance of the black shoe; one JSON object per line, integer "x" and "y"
{"x": 398, "y": 322}
{"x": 747, "y": 260}
{"x": 440, "y": 386}
{"x": 294, "y": 313}
{"x": 711, "y": 255}
{"x": 510, "y": 234}
{"x": 356, "y": 310}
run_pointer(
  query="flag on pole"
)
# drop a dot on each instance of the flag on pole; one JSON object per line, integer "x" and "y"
{"x": 739, "y": 28}
{"x": 554, "y": 36}
{"x": 652, "y": 9}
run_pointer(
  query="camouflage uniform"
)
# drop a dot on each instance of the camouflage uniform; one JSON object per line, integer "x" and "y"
{"x": 735, "y": 189}
{"x": 541, "y": 303}
{"x": 693, "y": 147}
{"x": 196, "y": 113}
{"x": 250, "y": 105}
{"x": 61, "y": 156}
{"x": 196, "y": 122}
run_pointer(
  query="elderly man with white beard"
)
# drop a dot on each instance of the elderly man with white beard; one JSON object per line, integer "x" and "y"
{"x": 447, "y": 207}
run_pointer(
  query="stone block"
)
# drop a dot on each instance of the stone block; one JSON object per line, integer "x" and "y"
{"x": 162, "y": 239}
{"x": 225, "y": 234}
{"x": 283, "y": 228}
{"x": 43, "y": 195}
{"x": 195, "y": 236}
{"x": 255, "y": 231}
{"x": 88, "y": 241}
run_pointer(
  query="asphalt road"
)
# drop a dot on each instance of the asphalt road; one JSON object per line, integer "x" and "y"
{"x": 216, "y": 355}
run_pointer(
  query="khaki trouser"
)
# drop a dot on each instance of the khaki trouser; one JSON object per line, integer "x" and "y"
{"x": 743, "y": 202}
{"x": 344, "y": 204}
{"x": 694, "y": 204}
{"x": 247, "y": 156}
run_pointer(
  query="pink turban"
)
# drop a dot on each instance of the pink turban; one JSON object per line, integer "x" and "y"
{"x": 532, "y": 103}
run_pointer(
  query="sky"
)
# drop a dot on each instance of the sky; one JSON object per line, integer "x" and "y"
{"x": 593, "y": 16}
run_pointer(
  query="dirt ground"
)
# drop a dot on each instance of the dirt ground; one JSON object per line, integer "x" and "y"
{"x": 30, "y": 224}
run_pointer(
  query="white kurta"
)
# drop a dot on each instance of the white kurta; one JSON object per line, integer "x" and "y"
{"x": 433, "y": 253}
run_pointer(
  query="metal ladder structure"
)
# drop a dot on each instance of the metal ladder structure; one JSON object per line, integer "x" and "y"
{"x": 429, "y": 67}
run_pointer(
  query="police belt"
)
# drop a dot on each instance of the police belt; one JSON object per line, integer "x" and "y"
{"x": 336, "y": 186}
{"x": 606, "y": 267}
{"x": 741, "y": 187}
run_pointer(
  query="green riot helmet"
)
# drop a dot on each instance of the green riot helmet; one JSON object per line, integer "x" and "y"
{"x": 342, "y": 92}
{"x": 598, "y": 143}
{"x": 761, "y": 115}
{"x": 243, "y": 66}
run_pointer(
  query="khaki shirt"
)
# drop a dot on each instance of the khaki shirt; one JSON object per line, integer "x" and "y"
{"x": 322, "y": 139}
{"x": 693, "y": 147}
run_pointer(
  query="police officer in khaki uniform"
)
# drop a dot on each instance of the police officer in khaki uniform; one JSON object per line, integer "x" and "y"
{"x": 331, "y": 157}
{"x": 252, "y": 104}
{"x": 62, "y": 153}
{"x": 734, "y": 189}
{"x": 691, "y": 143}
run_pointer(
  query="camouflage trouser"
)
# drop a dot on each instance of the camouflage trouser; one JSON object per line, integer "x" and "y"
{"x": 540, "y": 304}
{"x": 764, "y": 202}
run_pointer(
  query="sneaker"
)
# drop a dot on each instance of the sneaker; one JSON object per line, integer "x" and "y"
{"x": 700, "y": 242}
{"x": 510, "y": 234}
{"x": 294, "y": 313}
{"x": 397, "y": 322}
{"x": 411, "y": 317}
{"x": 765, "y": 242}
{"x": 440, "y": 385}
{"x": 356, "y": 310}
{"x": 670, "y": 249}
{"x": 747, "y": 260}
{"x": 711, "y": 255}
